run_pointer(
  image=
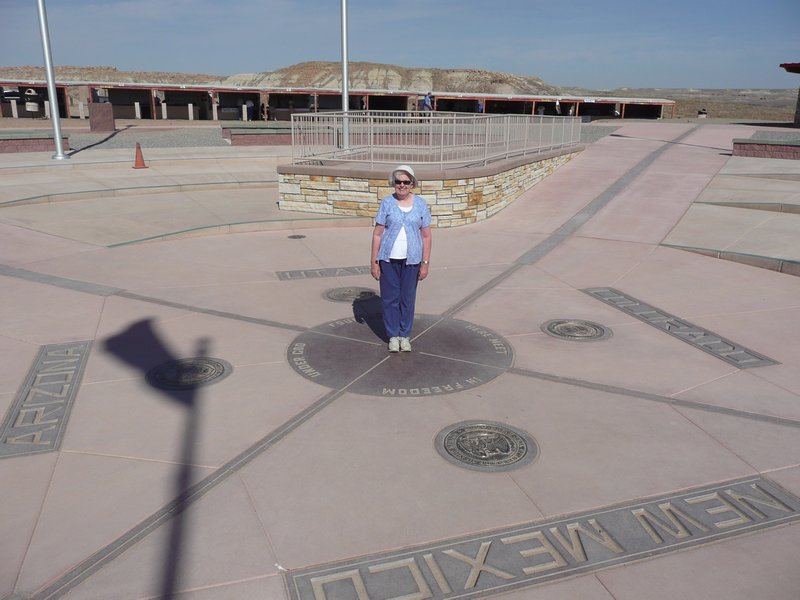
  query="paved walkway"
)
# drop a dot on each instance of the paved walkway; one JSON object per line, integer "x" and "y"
{"x": 495, "y": 460}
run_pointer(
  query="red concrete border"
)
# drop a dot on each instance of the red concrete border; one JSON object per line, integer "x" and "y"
{"x": 31, "y": 144}
{"x": 261, "y": 139}
{"x": 766, "y": 149}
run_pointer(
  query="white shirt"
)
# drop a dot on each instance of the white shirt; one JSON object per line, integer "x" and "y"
{"x": 400, "y": 247}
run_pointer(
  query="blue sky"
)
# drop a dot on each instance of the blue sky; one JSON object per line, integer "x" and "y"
{"x": 602, "y": 45}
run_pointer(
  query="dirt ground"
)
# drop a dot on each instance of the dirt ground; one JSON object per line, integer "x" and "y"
{"x": 689, "y": 107}
{"x": 739, "y": 104}
{"x": 757, "y": 105}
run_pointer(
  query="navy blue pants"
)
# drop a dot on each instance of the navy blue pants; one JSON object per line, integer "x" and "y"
{"x": 398, "y": 295}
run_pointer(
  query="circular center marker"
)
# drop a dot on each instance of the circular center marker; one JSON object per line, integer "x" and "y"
{"x": 349, "y": 294}
{"x": 188, "y": 373}
{"x": 448, "y": 356}
{"x": 576, "y": 330}
{"x": 486, "y": 446}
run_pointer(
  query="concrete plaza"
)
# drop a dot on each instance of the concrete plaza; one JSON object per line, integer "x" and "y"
{"x": 663, "y": 459}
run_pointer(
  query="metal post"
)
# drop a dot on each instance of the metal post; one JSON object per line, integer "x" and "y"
{"x": 474, "y": 133}
{"x": 443, "y": 120}
{"x": 371, "y": 122}
{"x": 426, "y": 115}
{"x": 508, "y": 133}
{"x": 51, "y": 80}
{"x": 294, "y": 140}
{"x": 541, "y": 131}
{"x": 345, "y": 81}
{"x": 527, "y": 131}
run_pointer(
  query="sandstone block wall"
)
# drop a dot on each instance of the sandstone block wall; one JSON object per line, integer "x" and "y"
{"x": 473, "y": 195}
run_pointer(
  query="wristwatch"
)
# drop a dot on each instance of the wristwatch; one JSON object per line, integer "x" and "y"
{"x": 426, "y": 262}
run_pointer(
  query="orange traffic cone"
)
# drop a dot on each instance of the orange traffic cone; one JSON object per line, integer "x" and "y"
{"x": 139, "y": 164}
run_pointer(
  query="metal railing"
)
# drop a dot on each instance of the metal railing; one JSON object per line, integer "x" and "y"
{"x": 426, "y": 138}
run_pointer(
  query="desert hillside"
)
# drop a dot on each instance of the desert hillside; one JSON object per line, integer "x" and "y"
{"x": 363, "y": 75}
{"x": 374, "y": 76}
{"x": 107, "y": 75}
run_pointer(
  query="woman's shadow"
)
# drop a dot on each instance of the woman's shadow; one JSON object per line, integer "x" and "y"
{"x": 367, "y": 309}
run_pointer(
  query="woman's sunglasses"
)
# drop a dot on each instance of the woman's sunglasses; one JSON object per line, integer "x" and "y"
{"x": 401, "y": 182}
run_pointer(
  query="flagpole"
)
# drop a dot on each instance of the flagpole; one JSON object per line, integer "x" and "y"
{"x": 345, "y": 81}
{"x": 51, "y": 82}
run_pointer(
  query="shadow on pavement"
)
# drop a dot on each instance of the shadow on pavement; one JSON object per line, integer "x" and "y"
{"x": 141, "y": 347}
{"x": 99, "y": 143}
{"x": 367, "y": 309}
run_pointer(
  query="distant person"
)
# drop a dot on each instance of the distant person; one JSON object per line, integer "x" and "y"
{"x": 427, "y": 102}
{"x": 479, "y": 107}
{"x": 401, "y": 249}
{"x": 250, "y": 109}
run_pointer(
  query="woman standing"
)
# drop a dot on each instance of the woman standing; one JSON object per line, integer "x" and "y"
{"x": 401, "y": 251}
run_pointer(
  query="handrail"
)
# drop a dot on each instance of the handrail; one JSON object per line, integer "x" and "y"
{"x": 426, "y": 138}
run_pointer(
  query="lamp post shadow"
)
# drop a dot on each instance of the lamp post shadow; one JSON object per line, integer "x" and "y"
{"x": 141, "y": 347}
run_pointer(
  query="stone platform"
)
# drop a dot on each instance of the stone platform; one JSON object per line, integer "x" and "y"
{"x": 456, "y": 196}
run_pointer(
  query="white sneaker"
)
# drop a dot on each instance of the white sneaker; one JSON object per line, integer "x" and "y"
{"x": 405, "y": 344}
{"x": 394, "y": 344}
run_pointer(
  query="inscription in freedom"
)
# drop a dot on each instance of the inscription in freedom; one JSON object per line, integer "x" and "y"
{"x": 698, "y": 337}
{"x": 466, "y": 356}
{"x": 301, "y": 364}
{"x": 36, "y": 420}
{"x": 539, "y": 552}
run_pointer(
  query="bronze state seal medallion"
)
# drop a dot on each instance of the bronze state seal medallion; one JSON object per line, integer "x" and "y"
{"x": 486, "y": 446}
